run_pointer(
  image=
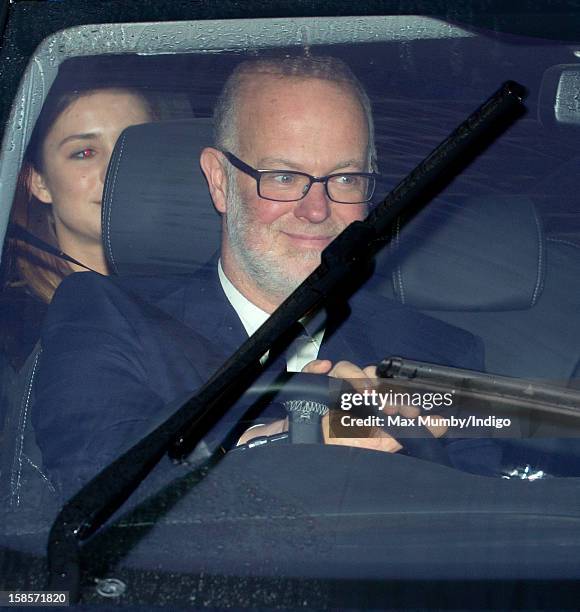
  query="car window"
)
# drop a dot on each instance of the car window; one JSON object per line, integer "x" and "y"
{"x": 484, "y": 278}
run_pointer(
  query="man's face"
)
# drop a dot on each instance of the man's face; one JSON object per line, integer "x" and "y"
{"x": 308, "y": 125}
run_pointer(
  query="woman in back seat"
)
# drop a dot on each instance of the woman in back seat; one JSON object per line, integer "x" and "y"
{"x": 58, "y": 200}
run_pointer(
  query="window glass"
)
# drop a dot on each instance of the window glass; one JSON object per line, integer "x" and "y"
{"x": 191, "y": 259}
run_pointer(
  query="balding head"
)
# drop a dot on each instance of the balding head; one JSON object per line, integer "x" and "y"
{"x": 236, "y": 94}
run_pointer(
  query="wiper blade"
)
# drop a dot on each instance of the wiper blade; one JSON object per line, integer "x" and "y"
{"x": 194, "y": 416}
{"x": 502, "y": 391}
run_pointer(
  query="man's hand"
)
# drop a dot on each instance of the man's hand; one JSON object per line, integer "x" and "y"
{"x": 379, "y": 440}
{"x": 270, "y": 429}
{"x": 360, "y": 379}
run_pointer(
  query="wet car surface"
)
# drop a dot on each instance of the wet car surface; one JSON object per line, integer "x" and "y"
{"x": 495, "y": 254}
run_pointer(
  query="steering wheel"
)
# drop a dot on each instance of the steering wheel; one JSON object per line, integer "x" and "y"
{"x": 306, "y": 398}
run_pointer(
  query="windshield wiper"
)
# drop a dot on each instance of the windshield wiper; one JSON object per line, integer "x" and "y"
{"x": 194, "y": 416}
{"x": 503, "y": 391}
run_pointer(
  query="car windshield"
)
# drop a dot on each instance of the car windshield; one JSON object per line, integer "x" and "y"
{"x": 166, "y": 186}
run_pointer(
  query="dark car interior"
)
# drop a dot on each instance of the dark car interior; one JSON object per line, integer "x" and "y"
{"x": 497, "y": 254}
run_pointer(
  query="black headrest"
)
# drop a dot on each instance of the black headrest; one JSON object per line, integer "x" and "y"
{"x": 484, "y": 253}
{"x": 157, "y": 214}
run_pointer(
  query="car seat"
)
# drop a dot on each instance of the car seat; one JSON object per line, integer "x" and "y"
{"x": 487, "y": 266}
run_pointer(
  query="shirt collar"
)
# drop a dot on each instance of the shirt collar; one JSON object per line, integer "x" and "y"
{"x": 250, "y": 315}
{"x": 253, "y": 317}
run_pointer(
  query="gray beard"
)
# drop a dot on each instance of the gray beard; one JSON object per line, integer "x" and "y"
{"x": 272, "y": 276}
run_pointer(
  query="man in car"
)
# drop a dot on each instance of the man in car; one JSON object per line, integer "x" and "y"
{"x": 292, "y": 168}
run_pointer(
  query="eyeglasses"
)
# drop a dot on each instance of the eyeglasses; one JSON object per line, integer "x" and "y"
{"x": 290, "y": 186}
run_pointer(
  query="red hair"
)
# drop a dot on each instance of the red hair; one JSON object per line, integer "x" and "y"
{"x": 38, "y": 270}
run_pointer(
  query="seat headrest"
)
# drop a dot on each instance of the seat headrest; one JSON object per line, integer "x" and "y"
{"x": 485, "y": 253}
{"x": 157, "y": 215}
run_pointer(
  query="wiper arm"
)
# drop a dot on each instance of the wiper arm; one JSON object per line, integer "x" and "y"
{"x": 503, "y": 391}
{"x": 194, "y": 416}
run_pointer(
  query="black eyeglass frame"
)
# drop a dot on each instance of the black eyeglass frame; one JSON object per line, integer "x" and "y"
{"x": 257, "y": 175}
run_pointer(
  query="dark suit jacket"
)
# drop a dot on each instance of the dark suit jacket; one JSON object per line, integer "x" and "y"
{"x": 117, "y": 351}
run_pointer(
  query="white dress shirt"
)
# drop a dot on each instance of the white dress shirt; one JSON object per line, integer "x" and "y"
{"x": 304, "y": 349}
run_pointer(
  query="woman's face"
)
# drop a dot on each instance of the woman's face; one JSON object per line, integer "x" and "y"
{"x": 76, "y": 153}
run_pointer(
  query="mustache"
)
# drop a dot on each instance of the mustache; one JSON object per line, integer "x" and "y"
{"x": 329, "y": 229}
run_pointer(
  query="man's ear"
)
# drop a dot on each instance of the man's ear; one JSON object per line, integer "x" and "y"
{"x": 211, "y": 162}
{"x": 38, "y": 187}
